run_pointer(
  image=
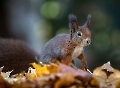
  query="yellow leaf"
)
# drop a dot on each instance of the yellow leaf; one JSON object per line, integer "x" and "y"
{"x": 40, "y": 70}
{"x": 45, "y": 69}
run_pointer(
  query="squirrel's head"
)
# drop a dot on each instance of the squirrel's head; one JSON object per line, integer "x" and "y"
{"x": 79, "y": 34}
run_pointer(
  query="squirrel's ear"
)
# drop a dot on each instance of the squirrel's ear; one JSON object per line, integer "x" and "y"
{"x": 73, "y": 25}
{"x": 87, "y": 23}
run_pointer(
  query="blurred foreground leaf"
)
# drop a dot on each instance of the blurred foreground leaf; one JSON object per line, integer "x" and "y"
{"x": 62, "y": 76}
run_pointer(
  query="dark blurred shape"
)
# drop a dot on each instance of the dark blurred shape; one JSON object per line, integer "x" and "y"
{"x": 16, "y": 55}
{"x": 4, "y": 16}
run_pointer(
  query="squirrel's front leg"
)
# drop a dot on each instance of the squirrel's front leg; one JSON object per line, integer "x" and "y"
{"x": 83, "y": 60}
{"x": 68, "y": 60}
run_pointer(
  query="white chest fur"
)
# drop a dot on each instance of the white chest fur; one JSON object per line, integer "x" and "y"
{"x": 77, "y": 51}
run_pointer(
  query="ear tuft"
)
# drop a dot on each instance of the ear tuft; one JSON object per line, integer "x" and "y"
{"x": 72, "y": 18}
{"x": 87, "y": 23}
{"x": 88, "y": 19}
{"x": 73, "y": 25}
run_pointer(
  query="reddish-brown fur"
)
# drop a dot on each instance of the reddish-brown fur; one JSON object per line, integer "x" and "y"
{"x": 16, "y": 55}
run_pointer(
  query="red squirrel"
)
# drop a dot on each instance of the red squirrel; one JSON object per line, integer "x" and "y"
{"x": 66, "y": 47}
{"x": 16, "y": 55}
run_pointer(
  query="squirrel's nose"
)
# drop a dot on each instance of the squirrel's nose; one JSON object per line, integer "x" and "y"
{"x": 88, "y": 41}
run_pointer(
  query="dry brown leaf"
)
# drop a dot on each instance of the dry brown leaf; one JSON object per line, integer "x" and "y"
{"x": 106, "y": 77}
{"x": 24, "y": 84}
{"x": 4, "y": 84}
{"x": 81, "y": 75}
{"x": 65, "y": 80}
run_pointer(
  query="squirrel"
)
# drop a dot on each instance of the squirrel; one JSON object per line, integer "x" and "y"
{"x": 66, "y": 47}
{"x": 17, "y": 55}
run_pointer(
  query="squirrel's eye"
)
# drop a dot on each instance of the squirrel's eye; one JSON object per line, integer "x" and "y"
{"x": 79, "y": 33}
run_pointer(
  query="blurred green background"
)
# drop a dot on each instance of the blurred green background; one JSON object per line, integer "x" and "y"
{"x": 37, "y": 21}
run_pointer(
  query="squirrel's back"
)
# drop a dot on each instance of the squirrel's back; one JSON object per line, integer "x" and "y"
{"x": 16, "y": 55}
{"x": 54, "y": 49}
